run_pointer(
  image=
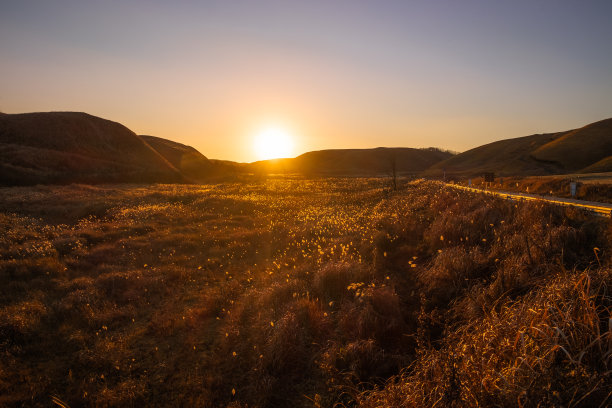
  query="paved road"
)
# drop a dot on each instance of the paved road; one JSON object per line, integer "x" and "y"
{"x": 604, "y": 209}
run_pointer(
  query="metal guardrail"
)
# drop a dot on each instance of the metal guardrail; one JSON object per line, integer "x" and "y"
{"x": 597, "y": 208}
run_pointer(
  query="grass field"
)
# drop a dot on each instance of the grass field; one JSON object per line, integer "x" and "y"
{"x": 295, "y": 292}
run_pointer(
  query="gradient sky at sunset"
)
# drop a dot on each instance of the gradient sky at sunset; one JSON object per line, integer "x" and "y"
{"x": 335, "y": 73}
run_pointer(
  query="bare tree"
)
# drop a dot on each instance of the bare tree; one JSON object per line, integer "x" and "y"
{"x": 393, "y": 168}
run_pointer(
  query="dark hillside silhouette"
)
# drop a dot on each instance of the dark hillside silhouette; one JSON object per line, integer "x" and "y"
{"x": 357, "y": 162}
{"x": 73, "y": 147}
{"x": 69, "y": 147}
{"x": 190, "y": 162}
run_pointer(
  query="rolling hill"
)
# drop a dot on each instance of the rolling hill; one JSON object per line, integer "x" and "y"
{"x": 355, "y": 162}
{"x": 587, "y": 149}
{"x": 602, "y": 166}
{"x": 578, "y": 149}
{"x": 74, "y": 147}
{"x": 192, "y": 164}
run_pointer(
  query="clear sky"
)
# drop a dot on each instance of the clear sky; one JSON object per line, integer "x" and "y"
{"x": 334, "y": 73}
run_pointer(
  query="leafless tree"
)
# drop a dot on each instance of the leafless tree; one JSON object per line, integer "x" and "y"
{"x": 393, "y": 169}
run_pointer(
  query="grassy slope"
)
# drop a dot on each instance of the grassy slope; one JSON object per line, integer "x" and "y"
{"x": 580, "y": 148}
{"x": 356, "y": 161}
{"x": 65, "y": 147}
{"x": 554, "y": 153}
{"x": 298, "y": 293}
{"x": 190, "y": 162}
{"x": 504, "y": 157}
{"x": 602, "y": 166}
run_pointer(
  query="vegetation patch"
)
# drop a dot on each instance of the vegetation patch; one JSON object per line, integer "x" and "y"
{"x": 300, "y": 292}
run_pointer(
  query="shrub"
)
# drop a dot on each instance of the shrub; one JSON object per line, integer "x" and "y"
{"x": 551, "y": 348}
{"x": 331, "y": 281}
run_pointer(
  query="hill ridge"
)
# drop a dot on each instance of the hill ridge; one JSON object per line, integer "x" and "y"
{"x": 367, "y": 161}
{"x": 575, "y": 150}
{"x": 78, "y": 147}
{"x": 67, "y": 147}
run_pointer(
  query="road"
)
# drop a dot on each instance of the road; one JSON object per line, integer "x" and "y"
{"x": 603, "y": 209}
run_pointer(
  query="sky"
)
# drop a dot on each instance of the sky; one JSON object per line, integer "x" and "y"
{"x": 331, "y": 73}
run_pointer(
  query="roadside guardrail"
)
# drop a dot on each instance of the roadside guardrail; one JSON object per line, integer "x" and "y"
{"x": 603, "y": 209}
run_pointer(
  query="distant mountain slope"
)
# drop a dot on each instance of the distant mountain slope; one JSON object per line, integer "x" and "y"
{"x": 504, "y": 157}
{"x": 579, "y": 148}
{"x": 190, "y": 162}
{"x": 542, "y": 154}
{"x": 67, "y": 147}
{"x": 602, "y": 166}
{"x": 356, "y": 161}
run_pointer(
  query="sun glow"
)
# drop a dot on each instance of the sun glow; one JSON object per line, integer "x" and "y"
{"x": 273, "y": 143}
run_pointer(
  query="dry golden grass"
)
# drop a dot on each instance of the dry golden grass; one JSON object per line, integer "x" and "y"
{"x": 551, "y": 347}
{"x": 296, "y": 292}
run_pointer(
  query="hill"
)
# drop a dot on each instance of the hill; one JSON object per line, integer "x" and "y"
{"x": 602, "y": 166}
{"x": 74, "y": 147}
{"x": 355, "y": 162}
{"x": 190, "y": 162}
{"x": 504, "y": 157}
{"x": 579, "y": 150}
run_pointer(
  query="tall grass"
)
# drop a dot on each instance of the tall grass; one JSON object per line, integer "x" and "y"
{"x": 297, "y": 292}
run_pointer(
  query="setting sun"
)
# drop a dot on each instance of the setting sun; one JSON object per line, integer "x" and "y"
{"x": 273, "y": 143}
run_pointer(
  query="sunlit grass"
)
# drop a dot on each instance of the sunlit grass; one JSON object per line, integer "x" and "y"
{"x": 293, "y": 291}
